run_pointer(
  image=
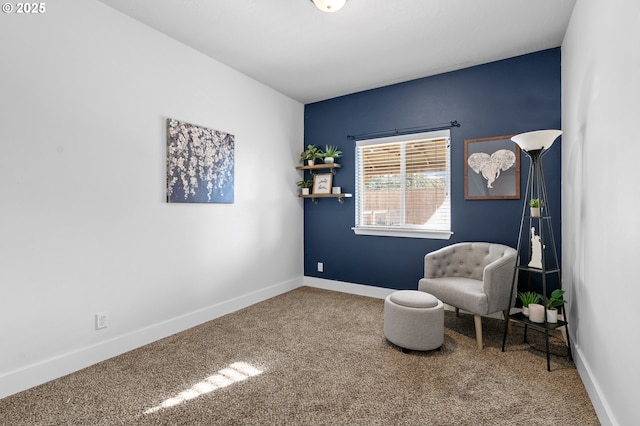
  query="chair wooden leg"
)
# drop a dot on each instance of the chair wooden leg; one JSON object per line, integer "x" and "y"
{"x": 457, "y": 312}
{"x": 478, "y": 321}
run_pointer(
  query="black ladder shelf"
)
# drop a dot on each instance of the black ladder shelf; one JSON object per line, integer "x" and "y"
{"x": 550, "y": 266}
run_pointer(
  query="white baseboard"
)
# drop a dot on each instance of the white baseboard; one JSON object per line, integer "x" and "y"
{"x": 53, "y": 368}
{"x": 346, "y": 287}
{"x": 599, "y": 402}
{"x": 366, "y": 290}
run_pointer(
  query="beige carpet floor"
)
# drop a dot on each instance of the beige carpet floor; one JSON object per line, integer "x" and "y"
{"x": 315, "y": 357}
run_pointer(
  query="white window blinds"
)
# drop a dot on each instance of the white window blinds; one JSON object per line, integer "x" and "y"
{"x": 402, "y": 182}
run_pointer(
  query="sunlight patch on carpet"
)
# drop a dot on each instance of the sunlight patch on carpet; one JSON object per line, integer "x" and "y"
{"x": 236, "y": 372}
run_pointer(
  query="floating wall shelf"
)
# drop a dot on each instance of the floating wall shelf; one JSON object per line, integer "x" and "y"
{"x": 315, "y": 167}
{"x": 314, "y": 197}
{"x": 324, "y": 166}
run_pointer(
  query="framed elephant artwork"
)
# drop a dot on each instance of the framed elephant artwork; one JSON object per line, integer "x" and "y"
{"x": 491, "y": 169}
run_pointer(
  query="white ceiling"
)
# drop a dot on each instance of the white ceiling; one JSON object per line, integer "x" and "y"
{"x": 311, "y": 55}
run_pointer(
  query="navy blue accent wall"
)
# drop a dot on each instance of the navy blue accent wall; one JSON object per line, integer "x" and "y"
{"x": 506, "y": 97}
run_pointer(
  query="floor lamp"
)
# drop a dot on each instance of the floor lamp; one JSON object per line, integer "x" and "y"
{"x": 535, "y": 145}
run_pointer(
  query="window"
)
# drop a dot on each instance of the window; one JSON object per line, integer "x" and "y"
{"x": 402, "y": 186}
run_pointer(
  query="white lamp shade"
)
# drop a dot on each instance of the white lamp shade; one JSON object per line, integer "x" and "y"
{"x": 329, "y": 5}
{"x": 540, "y": 139}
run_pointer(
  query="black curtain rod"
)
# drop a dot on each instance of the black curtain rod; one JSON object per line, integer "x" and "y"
{"x": 405, "y": 131}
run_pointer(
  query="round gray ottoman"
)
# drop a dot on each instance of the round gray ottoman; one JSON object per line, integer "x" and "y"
{"x": 414, "y": 320}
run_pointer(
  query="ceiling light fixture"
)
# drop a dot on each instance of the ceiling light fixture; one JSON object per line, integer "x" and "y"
{"x": 329, "y": 5}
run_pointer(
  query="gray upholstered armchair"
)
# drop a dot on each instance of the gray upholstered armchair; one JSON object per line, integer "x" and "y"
{"x": 475, "y": 277}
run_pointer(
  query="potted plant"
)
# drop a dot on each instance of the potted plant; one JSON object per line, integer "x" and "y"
{"x": 304, "y": 185}
{"x": 536, "y": 205}
{"x": 552, "y": 303}
{"x": 330, "y": 153}
{"x": 310, "y": 154}
{"x": 527, "y": 298}
{"x": 536, "y": 312}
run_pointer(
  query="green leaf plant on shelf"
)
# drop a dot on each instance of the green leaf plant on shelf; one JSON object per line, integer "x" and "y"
{"x": 527, "y": 298}
{"x": 304, "y": 185}
{"x": 310, "y": 154}
{"x": 550, "y": 304}
{"x": 330, "y": 153}
{"x": 536, "y": 206}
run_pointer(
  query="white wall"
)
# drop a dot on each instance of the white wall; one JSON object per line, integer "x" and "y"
{"x": 601, "y": 229}
{"x": 84, "y": 96}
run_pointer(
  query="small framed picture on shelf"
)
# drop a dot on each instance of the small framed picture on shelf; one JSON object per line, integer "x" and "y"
{"x": 322, "y": 183}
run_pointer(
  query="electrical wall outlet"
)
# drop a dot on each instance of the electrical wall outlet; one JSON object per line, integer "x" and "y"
{"x": 102, "y": 320}
{"x": 320, "y": 267}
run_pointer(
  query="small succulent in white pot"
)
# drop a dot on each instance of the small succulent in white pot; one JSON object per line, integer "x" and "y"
{"x": 527, "y": 298}
{"x": 536, "y": 206}
{"x": 330, "y": 153}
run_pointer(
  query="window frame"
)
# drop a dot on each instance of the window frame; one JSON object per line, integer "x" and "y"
{"x": 409, "y": 231}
